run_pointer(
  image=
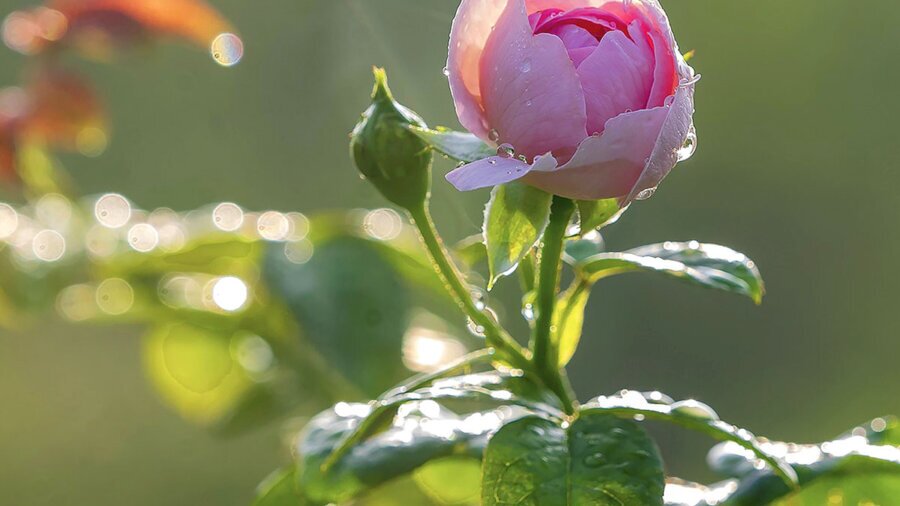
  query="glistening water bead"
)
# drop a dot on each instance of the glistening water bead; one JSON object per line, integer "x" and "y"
{"x": 112, "y": 210}
{"x": 227, "y": 49}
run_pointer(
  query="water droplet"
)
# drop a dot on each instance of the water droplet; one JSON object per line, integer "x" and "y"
{"x": 492, "y": 162}
{"x": 9, "y": 221}
{"x": 494, "y": 135}
{"x": 646, "y": 194}
{"x": 227, "y": 49}
{"x": 115, "y": 296}
{"x": 528, "y": 312}
{"x": 446, "y": 71}
{"x": 690, "y": 146}
{"x": 273, "y": 226}
{"x": 694, "y": 409}
{"x": 48, "y": 245}
{"x": 474, "y": 328}
{"x": 594, "y": 460}
{"x": 112, "y": 210}
{"x": 506, "y": 151}
{"x": 228, "y": 217}
{"x": 525, "y": 67}
{"x": 383, "y": 224}
{"x": 143, "y": 237}
{"x": 229, "y": 293}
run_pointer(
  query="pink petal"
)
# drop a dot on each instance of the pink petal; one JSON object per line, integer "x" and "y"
{"x": 530, "y": 89}
{"x": 471, "y": 29}
{"x": 495, "y": 170}
{"x": 616, "y": 78}
{"x": 608, "y": 165}
{"x": 634, "y": 153}
{"x": 671, "y": 138}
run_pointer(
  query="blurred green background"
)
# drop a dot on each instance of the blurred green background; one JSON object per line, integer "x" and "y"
{"x": 797, "y": 167}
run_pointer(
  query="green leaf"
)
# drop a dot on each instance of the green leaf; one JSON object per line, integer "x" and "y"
{"x": 853, "y": 468}
{"x": 568, "y": 320}
{"x": 421, "y": 432}
{"x": 597, "y": 460}
{"x": 471, "y": 250}
{"x": 279, "y": 489}
{"x": 595, "y": 214}
{"x": 195, "y": 371}
{"x": 352, "y": 304}
{"x": 514, "y": 221}
{"x": 692, "y": 415}
{"x": 706, "y": 265}
{"x": 451, "y": 480}
{"x": 490, "y": 387}
{"x": 460, "y": 146}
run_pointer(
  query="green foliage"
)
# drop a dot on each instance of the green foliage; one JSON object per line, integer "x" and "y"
{"x": 422, "y": 432}
{"x": 595, "y": 214}
{"x": 706, "y": 265}
{"x": 352, "y": 305}
{"x": 514, "y": 221}
{"x": 387, "y": 153}
{"x": 598, "y": 459}
{"x": 280, "y": 489}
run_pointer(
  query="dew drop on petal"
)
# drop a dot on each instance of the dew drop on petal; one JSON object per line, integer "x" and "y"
{"x": 446, "y": 71}
{"x": 112, "y": 210}
{"x": 506, "y": 151}
{"x": 227, "y": 49}
{"x": 690, "y": 146}
{"x": 646, "y": 194}
{"x": 525, "y": 67}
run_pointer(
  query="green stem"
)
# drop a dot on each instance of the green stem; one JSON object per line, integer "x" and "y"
{"x": 495, "y": 335}
{"x": 546, "y": 359}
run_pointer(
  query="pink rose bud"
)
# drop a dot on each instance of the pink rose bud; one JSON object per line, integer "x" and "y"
{"x": 586, "y": 99}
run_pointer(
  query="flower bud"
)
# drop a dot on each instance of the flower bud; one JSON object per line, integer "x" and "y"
{"x": 391, "y": 157}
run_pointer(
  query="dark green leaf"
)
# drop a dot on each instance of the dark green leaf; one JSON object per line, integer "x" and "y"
{"x": 460, "y": 146}
{"x": 598, "y": 460}
{"x": 491, "y": 387}
{"x": 514, "y": 221}
{"x": 692, "y": 415}
{"x": 279, "y": 489}
{"x": 352, "y": 305}
{"x": 596, "y": 214}
{"x": 686, "y": 493}
{"x": 853, "y": 468}
{"x": 421, "y": 432}
{"x": 707, "y": 265}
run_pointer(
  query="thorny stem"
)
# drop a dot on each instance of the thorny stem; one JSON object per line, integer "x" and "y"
{"x": 507, "y": 348}
{"x": 546, "y": 359}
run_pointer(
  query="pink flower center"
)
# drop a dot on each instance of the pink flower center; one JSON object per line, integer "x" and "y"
{"x": 579, "y": 29}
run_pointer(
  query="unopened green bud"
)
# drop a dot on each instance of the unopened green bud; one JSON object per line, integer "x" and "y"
{"x": 391, "y": 157}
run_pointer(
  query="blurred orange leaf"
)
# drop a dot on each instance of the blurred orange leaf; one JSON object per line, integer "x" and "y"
{"x": 101, "y": 28}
